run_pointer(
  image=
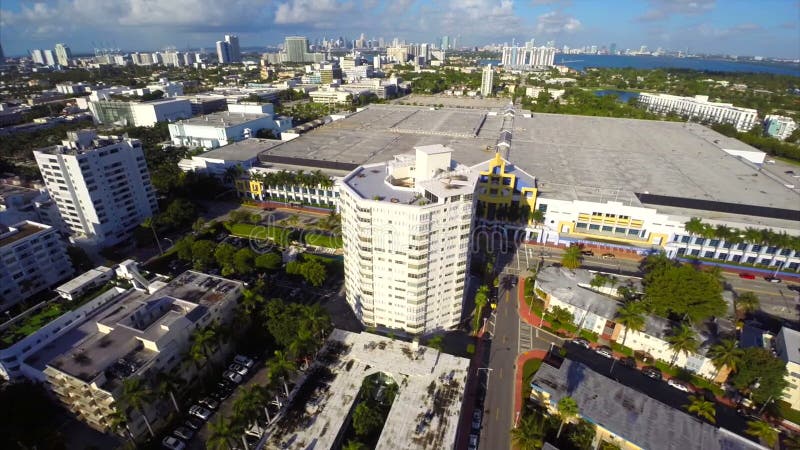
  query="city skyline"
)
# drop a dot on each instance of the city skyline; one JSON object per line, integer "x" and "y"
{"x": 700, "y": 26}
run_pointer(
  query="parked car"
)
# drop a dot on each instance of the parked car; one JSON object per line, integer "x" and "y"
{"x": 653, "y": 373}
{"x": 476, "y": 419}
{"x": 184, "y": 433}
{"x": 173, "y": 443}
{"x": 582, "y": 342}
{"x": 200, "y": 412}
{"x": 793, "y": 287}
{"x": 232, "y": 376}
{"x": 238, "y": 368}
{"x": 679, "y": 385}
{"x": 473, "y": 442}
{"x": 604, "y": 351}
{"x": 628, "y": 361}
{"x": 587, "y": 253}
{"x": 607, "y": 256}
{"x": 244, "y": 361}
{"x": 747, "y": 276}
{"x": 193, "y": 422}
{"x": 772, "y": 279}
{"x": 210, "y": 402}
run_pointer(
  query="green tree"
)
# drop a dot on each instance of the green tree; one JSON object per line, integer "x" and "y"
{"x": 198, "y": 225}
{"x": 560, "y": 316}
{"x": 702, "y": 408}
{"x": 366, "y": 420}
{"x": 529, "y": 433}
{"x": 681, "y": 340}
{"x": 203, "y": 254}
{"x": 280, "y": 366}
{"x": 725, "y": 354}
{"x": 184, "y": 247}
{"x": 223, "y": 434}
{"x": 683, "y": 291}
{"x": 581, "y": 435}
{"x": 204, "y": 341}
{"x": 571, "y": 259}
{"x": 167, "y": 384}
{"x": 763, "y": 431}
{"x": 250, "y": 403}
{"x": 567, "y": 410}
{"x": 747, "y": 303}
{"x": 354, "y": 445}
{"x": 268, "y": 261}
{"x": 761, "y": 373}
{"x": 631, "y": 316}
{"x": 180, "y": 213}
{"x": 251, "y": 301}
{"x": 137, "y": 395}
{"x": 223, "y": 255}
{"x": 243, "y": 261}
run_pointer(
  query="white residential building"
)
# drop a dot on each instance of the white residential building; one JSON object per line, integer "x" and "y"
{"x": 37, "y": 56}
{"x": 100, "y": 183}
{"x": 63, "y": 55}
{"x": 32, "y": 258}
{"x": 487, "y": 81}
{"x": 528, "y": 57}
{"x": 49, "y": 58}
{"x": 700, "y": 109}
{"x": 140, "y": 114}
{"x": 780, "y": 127}
{"x": 406, "y": 225}
{"x": 332, "y": 96}
{"x": 787, "y": 345}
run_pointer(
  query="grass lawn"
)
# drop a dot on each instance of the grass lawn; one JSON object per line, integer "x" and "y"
{"x": 321, "y": 240}
{"x": 279, "y": 235}
{"x": 528, "y": 370}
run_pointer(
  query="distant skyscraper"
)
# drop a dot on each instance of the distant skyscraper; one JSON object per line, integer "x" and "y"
{"x": 223, "y": 52}
{"x": 487, "y": 80}
{"x": 296, "y": 48}
{"x": 445, "y": 42}
{"x": 521, "y": 57}
{"x": 37, "y": 56}
{"x": 234, "y": 52}
{"x": 49, "y": 58}
{"x": 613, "y": 48}
{"x": 2, "y": 56}
{"x": 63, "y": 54}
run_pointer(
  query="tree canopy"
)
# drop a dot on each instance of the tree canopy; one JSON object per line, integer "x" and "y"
{"x": 681, "y": 290}
{"x": 761, "y": 373}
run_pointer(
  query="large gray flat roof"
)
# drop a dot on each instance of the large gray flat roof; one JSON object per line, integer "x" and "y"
{"x": 570, "y": 156}
{"x": 240, "y": 151}
{"x": 632, "y": 415}
{"x": 223, "y": 118}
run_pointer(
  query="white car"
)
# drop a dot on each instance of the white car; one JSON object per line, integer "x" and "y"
{"x": 232, "y": 376}
{"x": 238, "y": 368}
{"x": 244, "y": 361}
{"x": 678, "y": 385}
{"x": 473, "y": 442}
{"x": 200, "y": 412}
{"x": 173, "y": 443}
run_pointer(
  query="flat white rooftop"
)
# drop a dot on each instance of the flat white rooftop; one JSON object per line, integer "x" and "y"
{"x": 431, "y": 385}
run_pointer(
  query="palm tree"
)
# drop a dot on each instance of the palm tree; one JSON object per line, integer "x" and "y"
{"x": 746, "y": 303}
{"x": 355, "y": 445}
{"x": 167, "y": 383}
{"x": 204, "y": 340}
{"x": 223, "y": 432}
{"x": 630, "y": 315}
{"x": 150, "y": 223}
{"x": 251, "y": 301}
{"x": 681, "y": 340}
{"x": 694, "y": 226}
{"x": 572, "y": 257}
{"x": 317, "y": 320}
{"x": 198, "y": 225}
{"x": 763, "y": 431}
{"x": 281, "y": 367}
{"x": 702, "y": 408}
{"x": 529, "y": 434}
{"x": 118, "y": 423}
{"x": 249, "y": 402}
{"x": 725, "y": 354}
{"x": 567, "y": 409}
{"x": 302, "y": 344}
{"x": 137, "y": 395}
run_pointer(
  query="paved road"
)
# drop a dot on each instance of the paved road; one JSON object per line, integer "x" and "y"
{"x": 659, "y": 390}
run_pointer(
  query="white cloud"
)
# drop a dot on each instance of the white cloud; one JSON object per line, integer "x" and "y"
{"x": 661, "y": 9}
{"x": 316, "y": 13}
{"x": 555, "y": 22}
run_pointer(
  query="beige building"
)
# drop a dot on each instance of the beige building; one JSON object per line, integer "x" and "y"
{"x": 139, "y": 335}
{"x": 787, "y": 344}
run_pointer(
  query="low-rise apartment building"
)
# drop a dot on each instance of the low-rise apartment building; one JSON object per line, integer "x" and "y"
{"x": 140, "y": 335}
{"x": 699, "y": 108}
{"x": 787, "y": 345}
{"x": 240, "y": 122}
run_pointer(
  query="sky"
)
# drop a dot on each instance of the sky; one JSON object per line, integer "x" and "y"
{"x": 769, "y": 28}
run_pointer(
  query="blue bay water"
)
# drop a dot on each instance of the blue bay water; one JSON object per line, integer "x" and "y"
{"x": 580, "y": 62}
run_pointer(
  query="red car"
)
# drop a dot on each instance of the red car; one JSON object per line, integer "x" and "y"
{"x": 746, "y": 275}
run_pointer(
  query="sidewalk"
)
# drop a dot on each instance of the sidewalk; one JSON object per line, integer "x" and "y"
{"x": 525, "y": 312}
{"x": 519, "y": 402}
